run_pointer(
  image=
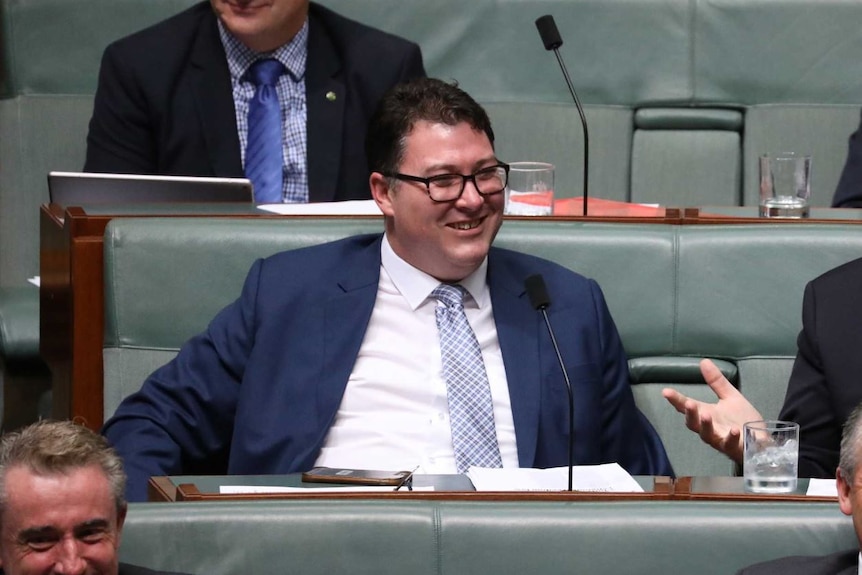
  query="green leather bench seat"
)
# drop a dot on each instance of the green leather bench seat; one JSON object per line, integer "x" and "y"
{"x": 452, "y": 538}
{"x": 677, "y": 293}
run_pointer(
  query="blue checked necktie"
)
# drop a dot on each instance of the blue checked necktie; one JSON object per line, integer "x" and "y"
{"x": 471, "y": 411}
{"x": 263, "y": 156}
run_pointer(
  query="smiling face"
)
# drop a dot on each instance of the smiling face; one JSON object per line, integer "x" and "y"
{"x": 446, "y": 240}
{"x": 59, "y": 524}
{"x": 262, "y": 25}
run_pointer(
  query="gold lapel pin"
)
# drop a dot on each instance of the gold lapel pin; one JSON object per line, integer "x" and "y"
{"x": 330, "y": 96}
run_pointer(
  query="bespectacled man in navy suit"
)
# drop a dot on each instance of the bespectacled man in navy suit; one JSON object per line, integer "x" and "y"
{"x": 331, "y": 356}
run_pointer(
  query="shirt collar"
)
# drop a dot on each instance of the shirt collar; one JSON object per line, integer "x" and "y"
{"x": 240, "y": 57}
{"x": 416, "y": 286}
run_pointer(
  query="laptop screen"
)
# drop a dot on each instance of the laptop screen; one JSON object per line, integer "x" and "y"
{"x": 81, "y": 189}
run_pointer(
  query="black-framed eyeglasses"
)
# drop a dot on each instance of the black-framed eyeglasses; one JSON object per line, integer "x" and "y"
{"x": 449, "y": 187}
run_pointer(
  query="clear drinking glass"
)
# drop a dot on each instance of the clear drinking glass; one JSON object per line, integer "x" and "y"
{"x": 531, "y": 189}
{"x": 785, "y": 185}
{"x": 770, "y": 456}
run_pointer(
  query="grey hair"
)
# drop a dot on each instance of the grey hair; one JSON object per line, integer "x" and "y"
{"x": 851, "y": 444}
{"x": 58, "y": 447}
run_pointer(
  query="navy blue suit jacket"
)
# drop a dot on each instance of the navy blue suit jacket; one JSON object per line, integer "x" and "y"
{"x": 257, "y": 392}
{"x": 164, "y": 103}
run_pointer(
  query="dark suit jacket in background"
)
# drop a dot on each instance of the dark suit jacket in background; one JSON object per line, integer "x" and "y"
{"x": 164, "y": 103}
{"x": 826, "y": 383}
{"x": 843, "y": 563}
{"x": 257, "y": 392}
{"x": 848, "y": 194}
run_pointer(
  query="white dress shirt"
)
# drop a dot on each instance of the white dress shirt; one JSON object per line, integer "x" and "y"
{"x": 394, "y": 414}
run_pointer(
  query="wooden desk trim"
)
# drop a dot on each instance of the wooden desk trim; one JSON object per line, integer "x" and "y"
{"x": 683, "y": 490}
{"x": 162, "y": 489}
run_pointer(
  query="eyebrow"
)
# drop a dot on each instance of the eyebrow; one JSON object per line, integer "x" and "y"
{"x": 450, "y": 169}
{"x": 47, "y": 530}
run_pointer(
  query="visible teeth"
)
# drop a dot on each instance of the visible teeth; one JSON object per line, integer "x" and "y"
{"x": 466, "y": 225}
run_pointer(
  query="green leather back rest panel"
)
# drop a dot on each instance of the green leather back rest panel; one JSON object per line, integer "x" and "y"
{"x": 686, "y": 167}
{"x": 453, "y": 538}
{"x": 769, "y": 51}
{"x": 55, "y": 46}
{"x": 740, "y": 289}
{"x": 150, "y": 258}
{"x": 37, "y": 133}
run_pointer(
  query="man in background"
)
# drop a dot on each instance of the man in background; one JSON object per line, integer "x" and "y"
{"x": 196, "y": 95}
{"x": 62, "y": 502}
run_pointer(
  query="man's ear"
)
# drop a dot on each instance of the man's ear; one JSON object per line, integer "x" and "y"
{"x": 843, "y": 485}
{"x": 381, "y": 192}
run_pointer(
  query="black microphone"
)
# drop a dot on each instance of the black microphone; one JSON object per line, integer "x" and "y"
{"x": 551, "y": 38}
{"x": 540, "y": 301}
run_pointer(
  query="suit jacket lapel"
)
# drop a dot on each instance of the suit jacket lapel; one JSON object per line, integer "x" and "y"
{"x": 213, "y": 94}
{"x": 517, "y": 330}
{"x": 351, "y": 307}
{"x": 325, "y": 95}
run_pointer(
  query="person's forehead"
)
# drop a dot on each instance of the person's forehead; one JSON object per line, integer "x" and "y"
{"x": 428, "y": 139}
{"x": 80, "y": 494}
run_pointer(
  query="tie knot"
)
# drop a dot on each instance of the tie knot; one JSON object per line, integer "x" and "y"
{"x": 265, "y": 72}
{"x": 449, "y": 295}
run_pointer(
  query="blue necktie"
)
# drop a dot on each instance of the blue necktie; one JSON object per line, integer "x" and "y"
{"x": 471, "y": 410}
{"x": 263, "y": 155}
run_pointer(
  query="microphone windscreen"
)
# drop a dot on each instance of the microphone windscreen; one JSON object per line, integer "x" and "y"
{"x": 548, "y": 31}
{"x": 537, "y": 291}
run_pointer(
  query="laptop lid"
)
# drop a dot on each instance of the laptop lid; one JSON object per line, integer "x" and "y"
{"x": 82, "y": 188}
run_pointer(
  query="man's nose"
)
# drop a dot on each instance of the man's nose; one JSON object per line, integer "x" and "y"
{"x": 471, "y": 196}
{"x": 69, "y": 560}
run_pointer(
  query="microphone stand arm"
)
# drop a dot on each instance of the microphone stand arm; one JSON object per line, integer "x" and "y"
{"x": 583, "y": 124}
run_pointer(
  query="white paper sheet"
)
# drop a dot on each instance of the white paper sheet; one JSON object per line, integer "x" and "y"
{"x": 822, "y": 488}
{"x": 349, "y": 208}
{"x": 609, "y": 477}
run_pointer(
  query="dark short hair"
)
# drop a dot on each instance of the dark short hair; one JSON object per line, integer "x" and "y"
{"x": 405, "y": 104}
{"x": 57, "y": 447}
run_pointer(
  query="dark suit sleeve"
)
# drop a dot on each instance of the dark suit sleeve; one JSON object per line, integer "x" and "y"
{"x": 181, "y": 421}
{"x": 121, "y": 136}
{"x": 809, "y": 402}
{"x": 628, "y": 437}
{"x": 848, "y": 194}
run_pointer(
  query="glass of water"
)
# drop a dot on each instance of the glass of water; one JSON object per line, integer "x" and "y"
{"x": 531, "y": 189}
{"x": 770, "y": 456}
{"x": 785, "y": 185}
